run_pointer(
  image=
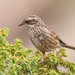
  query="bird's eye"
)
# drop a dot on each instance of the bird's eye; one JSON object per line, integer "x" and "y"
{"x": 31, "y": 22}
{"x": 26, "y": 22}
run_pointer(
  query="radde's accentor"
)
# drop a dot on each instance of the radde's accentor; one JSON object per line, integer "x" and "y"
{"x": 43, "y": 38}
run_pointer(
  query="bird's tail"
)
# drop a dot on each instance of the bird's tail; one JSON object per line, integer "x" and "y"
{"x": 68, "y": 46}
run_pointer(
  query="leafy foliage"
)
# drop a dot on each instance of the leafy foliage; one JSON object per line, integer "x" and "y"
{"x": 17, "y": 60}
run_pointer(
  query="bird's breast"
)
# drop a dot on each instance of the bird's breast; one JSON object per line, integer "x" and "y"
{"x": 35, "y": 37}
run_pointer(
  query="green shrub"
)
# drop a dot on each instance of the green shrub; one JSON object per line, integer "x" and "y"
{"x": 17, "y": 60}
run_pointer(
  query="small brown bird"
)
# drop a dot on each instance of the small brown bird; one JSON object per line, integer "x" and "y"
{"x": 43, "y": 38}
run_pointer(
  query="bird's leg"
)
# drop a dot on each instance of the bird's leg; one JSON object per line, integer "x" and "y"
{"x": 43, "y": 53}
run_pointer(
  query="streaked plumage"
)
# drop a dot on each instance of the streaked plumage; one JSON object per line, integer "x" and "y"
{"x": 43, "y": 38}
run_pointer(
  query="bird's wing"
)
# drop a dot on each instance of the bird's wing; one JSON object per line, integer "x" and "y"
{"x": 54, "y": 35}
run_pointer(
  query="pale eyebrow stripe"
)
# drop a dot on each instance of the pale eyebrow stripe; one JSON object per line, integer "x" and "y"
{"x": 32, "y": 18}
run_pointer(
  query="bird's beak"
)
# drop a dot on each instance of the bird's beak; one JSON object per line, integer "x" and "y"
{"x": 20, "y": 24}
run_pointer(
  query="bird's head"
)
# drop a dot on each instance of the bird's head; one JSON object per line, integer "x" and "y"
{"x": 31, "y": 21}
